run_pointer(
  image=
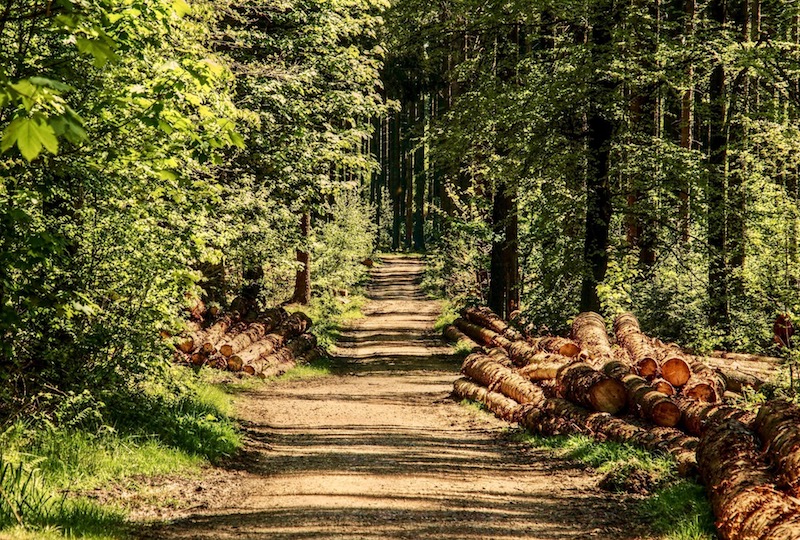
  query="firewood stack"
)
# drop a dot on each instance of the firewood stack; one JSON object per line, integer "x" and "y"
{"x": 645, "y": 392}
{"x": 265, "y": 344}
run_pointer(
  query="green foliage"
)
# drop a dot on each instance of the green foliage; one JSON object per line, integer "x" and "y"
{"x": 680, "y": 511}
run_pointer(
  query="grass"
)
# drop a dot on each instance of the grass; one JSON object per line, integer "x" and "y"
{"x": 449, "y": 314}
{"x": 330, "y": 314}
{"x": 173, "y": 425}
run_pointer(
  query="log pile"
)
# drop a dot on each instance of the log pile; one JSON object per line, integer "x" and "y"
{"x": 264, "y": 344}
{"x": 669, "y": 400}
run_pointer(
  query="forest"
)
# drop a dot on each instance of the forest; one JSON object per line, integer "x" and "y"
{"x": 163, "y": 160}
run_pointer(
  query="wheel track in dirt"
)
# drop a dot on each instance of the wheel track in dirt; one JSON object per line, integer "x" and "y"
{"x": 378, "y": 450}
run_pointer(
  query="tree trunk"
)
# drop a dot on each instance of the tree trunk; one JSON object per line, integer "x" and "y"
{"x": 718, "y": 274}
{"x": 598, "y": 190}
{"x": 302, "y": 282}
{"x": 643, "y": 355}
{"x": 504, "y": 270}
{"x": 420, "y": 180}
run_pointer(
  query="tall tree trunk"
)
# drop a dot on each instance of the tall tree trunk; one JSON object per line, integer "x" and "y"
{"x": 687, "y": 119}
{"x": 395, "y": 178}
{"x": 718, "y": 274}
{"x": 302, "y": 282}
{"x": 420, "y": 179}
{"x": 504, "y": 270}
{"x": 600, "y": 130}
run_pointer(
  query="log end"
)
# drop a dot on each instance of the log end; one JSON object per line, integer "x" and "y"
{"x": 570, "y": 350}
{"x": 701, "y": 392}
{"x": 250, "y": 370}
{"x": 660, "y": 385}
{"x": 226, "y": 350}
{"x": 235, "y": 363}
{"x": 666, "y": 414}
{"x": 647, "y": 367}
{"x": 676, "y": 371}
{"x": 608, "y": 395}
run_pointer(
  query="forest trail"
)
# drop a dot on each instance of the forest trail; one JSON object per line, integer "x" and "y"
{"x": 379, "y": 450}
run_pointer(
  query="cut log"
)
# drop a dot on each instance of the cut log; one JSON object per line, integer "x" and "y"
{"x": 454, "y": 335}
{"x": 522, "y": 354}
{"x": 486, "y": 318}
{"x": 643, "y": 355}
{"x": 699, "y": 389}
{"x": 541, "y": 371}
{"x": 502, "y": 406}
{"x": 285, "y": 355}
{"x": 697, "y": 416}
{"x": 643, "y": 399}
{"x": 584, "y": 385}
{"x": 496, "y": 377}
{"x": 589, "y": 332}
{"x": 742, "y": 357}
{"x": 745, "y": 503}
{"x": 481, "y": 335}
{"x": 557, "y": 345}
{"x": 778, "y": 425}
{"x": 251, "y": 334}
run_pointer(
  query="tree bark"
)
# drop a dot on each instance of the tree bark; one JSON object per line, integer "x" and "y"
{"x": 778, "y": 425}
{"x": 302, "y": 282}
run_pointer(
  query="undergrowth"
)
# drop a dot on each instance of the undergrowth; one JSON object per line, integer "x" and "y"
{"x": 77, "y": 442}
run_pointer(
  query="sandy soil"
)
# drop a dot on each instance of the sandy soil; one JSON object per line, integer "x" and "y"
{"x": 379, "y": 450}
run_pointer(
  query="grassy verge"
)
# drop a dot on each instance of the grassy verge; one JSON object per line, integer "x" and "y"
{"x": 171, "y": 425}
{"x": 674, "y": 508}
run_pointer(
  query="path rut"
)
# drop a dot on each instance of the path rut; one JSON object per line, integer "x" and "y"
{"x": 379, "y": 450}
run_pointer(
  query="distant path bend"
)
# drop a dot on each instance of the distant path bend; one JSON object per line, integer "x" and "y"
{"x": 380, "y": 451}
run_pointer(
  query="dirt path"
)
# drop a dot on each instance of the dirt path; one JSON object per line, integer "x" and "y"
{"x": 380, "y": 451}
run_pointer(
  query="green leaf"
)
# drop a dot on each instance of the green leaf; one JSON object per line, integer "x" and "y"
{"x": 181, "y": 8}
{"x": 31, "y": 135}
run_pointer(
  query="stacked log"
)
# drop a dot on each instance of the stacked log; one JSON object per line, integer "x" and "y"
{"x": 515, "y": 379}
{"x": 269, "y": 339}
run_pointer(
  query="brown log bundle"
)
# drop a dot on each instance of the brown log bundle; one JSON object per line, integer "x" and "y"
{"x": 502, "y": 406}
{"x": 698, "y": 416}
{"x": 745, "y": 503}
{"x": 294, "y": 325}
{"x": 523, "y": 354}
{"x": 581, "y": 383}
{"x": 481, "y": 335}
{"x": 644, "y": 400}
{"x": 286, "y": 355}
{"x": 454, "y": 335}
{"x": 778, "y": 425}
{"x": 277, "y": 370}
{"x": 251, "y": 334}
{"x": 486, "y": 318}
{"x": 490, "y": 373}
{"x": 589, "y": 331}
{"x": 643, "y": 355}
